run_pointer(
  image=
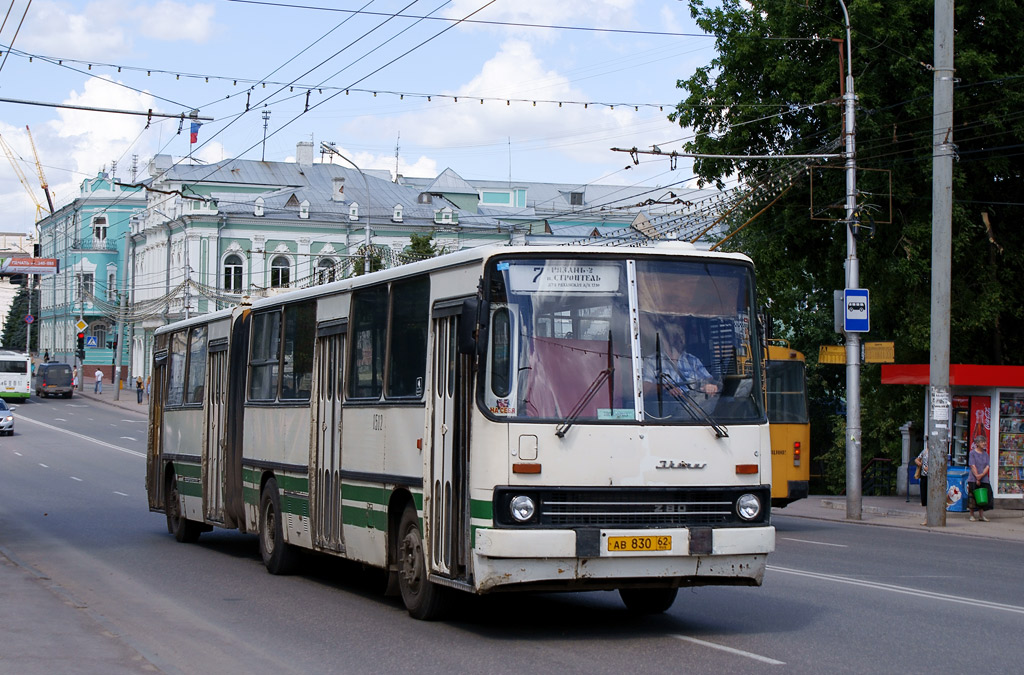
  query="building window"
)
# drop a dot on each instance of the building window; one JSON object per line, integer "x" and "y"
{"x": 99, "y": 228}
{"x": 496, "y": 198}
{"x": 397, "y": 215}
{"x": 280, "y": 272}
{"x": 576, "y": 198}
{"x": 84, "y": 286}
{"x": 99, "y": 331}
{"x": 233, "y": 274}
{"x": 353, "y": 211}
{"x": 257, "y": 209}
{"x": 112, "y": 287}
{"x": 325, "y": 271}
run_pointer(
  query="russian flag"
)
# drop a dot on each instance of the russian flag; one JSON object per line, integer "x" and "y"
{"x": 194, "y": 135}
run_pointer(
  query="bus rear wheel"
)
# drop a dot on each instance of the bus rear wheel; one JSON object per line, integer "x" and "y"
{"x": 648, "y": 600}
{"x": 279, "y": 557}
{"x": 424, "y": 599}
{"x": 184, "y": 530}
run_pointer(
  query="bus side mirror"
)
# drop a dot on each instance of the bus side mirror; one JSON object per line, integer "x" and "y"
{"x": 473, "y": 333}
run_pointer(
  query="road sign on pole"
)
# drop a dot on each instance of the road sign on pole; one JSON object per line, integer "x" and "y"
{"x": 857, "y": 317}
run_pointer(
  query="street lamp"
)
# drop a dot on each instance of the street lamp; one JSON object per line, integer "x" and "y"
{"x": 366, "y": 252}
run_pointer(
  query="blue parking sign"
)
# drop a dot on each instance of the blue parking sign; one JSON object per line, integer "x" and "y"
{"x": 856, "y": 317}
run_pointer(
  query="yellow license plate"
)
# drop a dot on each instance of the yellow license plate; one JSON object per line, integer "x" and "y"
{"x": 626, "y": 544}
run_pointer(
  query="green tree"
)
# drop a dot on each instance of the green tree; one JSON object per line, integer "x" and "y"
{"x": 421, "y": 247}
{"x": 15, "y": 327}
{"x": 774, "y": 88}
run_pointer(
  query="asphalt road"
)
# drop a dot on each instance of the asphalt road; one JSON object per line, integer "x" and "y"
{"x": 838, "y": 597}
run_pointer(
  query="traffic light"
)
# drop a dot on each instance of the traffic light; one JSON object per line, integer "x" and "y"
{"x": 81, "y": 346}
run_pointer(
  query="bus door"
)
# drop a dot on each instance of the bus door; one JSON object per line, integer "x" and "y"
{"x": 326, "y": 459}
{"x": 154, "y": 456}
{"x": 449, "y": 489}
{"x": 214, "y": 433}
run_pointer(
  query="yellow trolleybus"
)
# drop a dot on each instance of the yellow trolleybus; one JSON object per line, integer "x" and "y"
{"x": 479, "y": 422}
{"x": 790, "y": 423}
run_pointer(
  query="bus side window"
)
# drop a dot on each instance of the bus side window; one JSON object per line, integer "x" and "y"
{"x": 501, "y": 357}
{"x": 407, "y": 353}
{"x": 368, "y": 326}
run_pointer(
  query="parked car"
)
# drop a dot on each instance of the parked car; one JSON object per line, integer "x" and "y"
{"x": 54, "y": 379}
{"x": 6, "y": 419}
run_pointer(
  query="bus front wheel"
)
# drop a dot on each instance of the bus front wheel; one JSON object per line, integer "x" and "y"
{"x": 184, "y": 530}
{"x": 648, "y": 600}
{"x": 424, "y": 599}
{"x": 279, "y": 557}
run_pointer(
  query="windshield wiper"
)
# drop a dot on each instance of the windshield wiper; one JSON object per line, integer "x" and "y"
{"x": 691, "y": 406}
{"x": 591, "y": 391}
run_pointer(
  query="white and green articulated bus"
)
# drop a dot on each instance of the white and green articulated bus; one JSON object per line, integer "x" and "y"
{"x": 497, "y": 419}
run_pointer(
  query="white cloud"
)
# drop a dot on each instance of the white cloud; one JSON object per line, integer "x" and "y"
{"x": 104, "y": 29}
{"x": 570, "y": 131}
{"x": 591, "y": 13}
{"x": 172, "y": 21}
{"x": 88, "y": 141}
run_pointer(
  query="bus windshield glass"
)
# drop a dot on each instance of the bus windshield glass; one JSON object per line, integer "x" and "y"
{"x": 567, "y": 343}
{"x": 787, "y": 400}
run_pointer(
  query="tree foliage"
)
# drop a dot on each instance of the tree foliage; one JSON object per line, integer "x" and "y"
{"x": 774, "y": 88}
{"x": 15, "y": 327}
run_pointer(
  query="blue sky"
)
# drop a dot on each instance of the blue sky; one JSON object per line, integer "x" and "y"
{"x": 166, "y": 49}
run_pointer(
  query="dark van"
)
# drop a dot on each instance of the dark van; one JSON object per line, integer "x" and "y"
{"x": 53, "y": 379}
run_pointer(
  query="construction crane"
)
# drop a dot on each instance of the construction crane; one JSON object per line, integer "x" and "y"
{"x": 39, "y": 169}
{"x": 21, "y": 176}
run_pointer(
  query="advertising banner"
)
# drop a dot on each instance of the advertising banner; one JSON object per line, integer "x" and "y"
{"x": 28, "y": 265}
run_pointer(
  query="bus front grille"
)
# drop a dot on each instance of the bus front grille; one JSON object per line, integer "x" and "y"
{"x": 631, "y": 507}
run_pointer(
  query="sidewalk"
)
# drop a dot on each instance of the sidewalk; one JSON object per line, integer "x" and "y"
{"x": 1004, "y": 523}
{"x": 127, "y": 398}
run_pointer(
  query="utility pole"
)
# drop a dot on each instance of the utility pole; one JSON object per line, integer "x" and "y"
{"x": 854, "y": 498}
{"x": 942, "y": 227}
{"x": 266, "y": 120}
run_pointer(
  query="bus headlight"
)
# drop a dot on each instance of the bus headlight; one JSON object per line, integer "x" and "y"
{"x": 522, "y": 508}
{"x": 748, "y": 507}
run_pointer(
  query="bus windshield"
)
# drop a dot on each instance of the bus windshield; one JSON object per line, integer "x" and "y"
{"x": 570, "y": 342}
{"x": 787, "y": 396}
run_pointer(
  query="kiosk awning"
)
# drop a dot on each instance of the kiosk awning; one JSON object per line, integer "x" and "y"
{"x": 960, "y": 374}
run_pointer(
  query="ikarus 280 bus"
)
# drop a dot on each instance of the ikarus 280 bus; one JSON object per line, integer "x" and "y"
{"x": 489, "y": 420}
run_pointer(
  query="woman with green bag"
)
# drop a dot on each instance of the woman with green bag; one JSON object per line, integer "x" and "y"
{"x": 979, "y": 491}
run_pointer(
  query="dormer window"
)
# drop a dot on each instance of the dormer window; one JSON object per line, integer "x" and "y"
{"x": 353, "y": 211}
{"x": 258, "y": 208}
{"x": 425, "y": 198}
{"x": 576, "y": 199}
{"x": 446, "y": 216}
{"x": 396, "y": 216}
{"x": 304, "y": 209}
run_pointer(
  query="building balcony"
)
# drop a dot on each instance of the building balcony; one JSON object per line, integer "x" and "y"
{"x": 94, "y": 244}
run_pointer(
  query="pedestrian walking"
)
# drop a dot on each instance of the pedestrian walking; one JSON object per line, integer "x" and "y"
{"x": 98, "y": 389}
{"x": 138, "y": 387}
{"x": 147, "y": 386}
{"x": 922, "y": 461}
{"x": 74, "y": 378}
{"x": 46, "y": 356}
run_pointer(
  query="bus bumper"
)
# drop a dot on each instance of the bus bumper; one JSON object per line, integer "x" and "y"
{"x": 553, "y": 559}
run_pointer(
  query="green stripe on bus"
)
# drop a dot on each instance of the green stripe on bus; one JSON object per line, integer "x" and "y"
{"x": 188, "y": 470}
{"x": 365, "y": 493}
{"x": 296, "y": 505}
{"x": 250, "y": 495}
{"x": 364, "y": 517}
{"x": 190, "y": 489}
{"x": 292, "y": 483}
{"x": 478, "y": 508}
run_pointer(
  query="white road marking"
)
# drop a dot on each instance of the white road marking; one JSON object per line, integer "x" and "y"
{"x": 956, "y": 599}
{"x": 18, "y": 454}
{"x": 819, "y": 543}
{"x": 136, "y": 421}
{"x": 731, "y": 650}
{"x": 120, "y": 493}
{"x": 129, "y": 438}
{"x": 77, "y": 478}
{"x": 87, "y": 438}
{"x": 43, "y": 465}
{"x": 59, "y": 419}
